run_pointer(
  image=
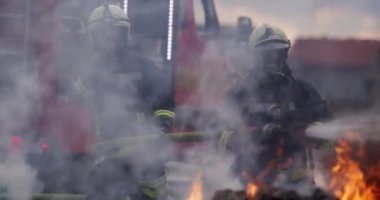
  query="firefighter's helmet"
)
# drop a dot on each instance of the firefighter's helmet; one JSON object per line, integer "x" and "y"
{"x": 268, "y": 37}
{"x": 108, "y": 27}
{"x": 270, "y": 46}
{"x": 109, "y": 14}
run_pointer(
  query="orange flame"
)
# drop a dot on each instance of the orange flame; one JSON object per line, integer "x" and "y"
{"x": 374, "y": 178}
{"x": 196, "y": 189}
{"x": 252, "y": 187}
{"x": 348, "y": 181}
{"x": 251, "y": 190}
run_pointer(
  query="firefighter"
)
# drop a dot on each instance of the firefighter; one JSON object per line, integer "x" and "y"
{"x": 119, "y": 80}
{"x": 116, "y": 69}
{"x": 275, "y": 108}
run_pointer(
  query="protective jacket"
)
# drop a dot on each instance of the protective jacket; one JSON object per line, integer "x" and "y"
{"x": 275, "y": 113}
{"x": 128, "y": 83}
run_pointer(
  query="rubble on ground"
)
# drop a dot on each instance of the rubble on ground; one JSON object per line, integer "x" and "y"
{"x": 272, "y": 194}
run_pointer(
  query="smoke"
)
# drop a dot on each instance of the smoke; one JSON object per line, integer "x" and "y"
{"x": 18, "y": 178}
{"x": 18, "y": 105}
{"x": 131, "y": 150}
{"x": 216, "y": 76}
{"x": 360, "y": 126}
{"x": 138, "y": 151}
{"x": 212, "y": 169}
{"x": 19, "y": 101}
{"x": 150, "y": 156}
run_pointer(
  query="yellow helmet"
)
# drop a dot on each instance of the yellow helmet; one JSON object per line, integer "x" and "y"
{"x": 108, "y": 13}
{"x": 268, "y": 37}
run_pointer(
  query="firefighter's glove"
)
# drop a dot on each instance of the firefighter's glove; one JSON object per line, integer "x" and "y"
{"x": 274, "y": 111}
{"x": 166, "y": 124}
{"x": 327, "y": 145}
{"x": 165, "y": 120}
{"x": 271, "y": 129}
{"x": 299, "y": 174}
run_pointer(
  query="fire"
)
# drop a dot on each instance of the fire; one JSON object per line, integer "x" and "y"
{"x": 252, "y": 187}
{"x": 374, "y": 178}
{"x": 251, "y": 190}
{"x": 196, "y": 189}
{"x": 348, "y": 181}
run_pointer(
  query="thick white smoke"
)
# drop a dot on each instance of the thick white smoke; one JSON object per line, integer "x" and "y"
{"x": 360, "y": 126}
{"x": 18, "y": 178}
{"x": 19, "y": 104}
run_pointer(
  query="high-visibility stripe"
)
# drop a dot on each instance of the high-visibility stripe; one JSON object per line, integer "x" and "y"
{"x": 140, "y": 117}
{"x": 154, "y": 183}
{"x": 316, "y": 123}
{"x": 298, "y": 174}
{"x": 154, "y": 188}
{"x": 127, "y": 144}
{"x": 123, "y": 153}
{"x": 224, "y": 139}
{"x": 58, "y": 197}
{"x": 151, "y": 193}
{"x": 272, "y": 107}
{"x": 165, "y": 113}
{"x": 80, "y": 88}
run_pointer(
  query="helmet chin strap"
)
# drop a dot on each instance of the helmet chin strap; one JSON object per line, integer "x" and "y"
{"x": 280, "y": 74}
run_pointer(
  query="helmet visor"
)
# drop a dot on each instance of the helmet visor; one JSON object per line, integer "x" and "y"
{"x": 272, "y": 44}
{"x": 273, "y": 60}
{"x": 108, "y": 35}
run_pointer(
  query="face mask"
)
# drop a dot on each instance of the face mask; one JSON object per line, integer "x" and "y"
{"x": 108, "y": 37}
{"x": 274, "y": 61}
{"x": 270, "y": 62}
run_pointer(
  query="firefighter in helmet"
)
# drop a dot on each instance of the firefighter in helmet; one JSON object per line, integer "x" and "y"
{"x": 116, "y": 69}
{"x": 276, "y": 108}
{"x": 125, "y": 91}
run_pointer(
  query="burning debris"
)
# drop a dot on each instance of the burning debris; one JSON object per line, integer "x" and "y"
{"x": 196, "y": 190}
{"x": 251, "y": 190}
{"x": 271, "y": 194}
{"x": 353, "y": 176}
{"x": 348, "y": 180}
{"x": 230, "y": 195}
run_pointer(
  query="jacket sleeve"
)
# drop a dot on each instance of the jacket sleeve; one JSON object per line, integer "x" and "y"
{"x": 309, "y": 103}
{"x": 158, "y": 95}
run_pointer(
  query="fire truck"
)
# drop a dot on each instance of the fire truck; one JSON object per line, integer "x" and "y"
{"x": 47, "y": 38}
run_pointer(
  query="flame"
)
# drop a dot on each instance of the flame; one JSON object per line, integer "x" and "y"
{"x": 374, "y": 178}
{"x": 353, "y": 135}
{"x": 196, "y": 188}
{"x": 251, "y": 190}
{"x": 252, "y": 187}
{"x": 348, "y": 180}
